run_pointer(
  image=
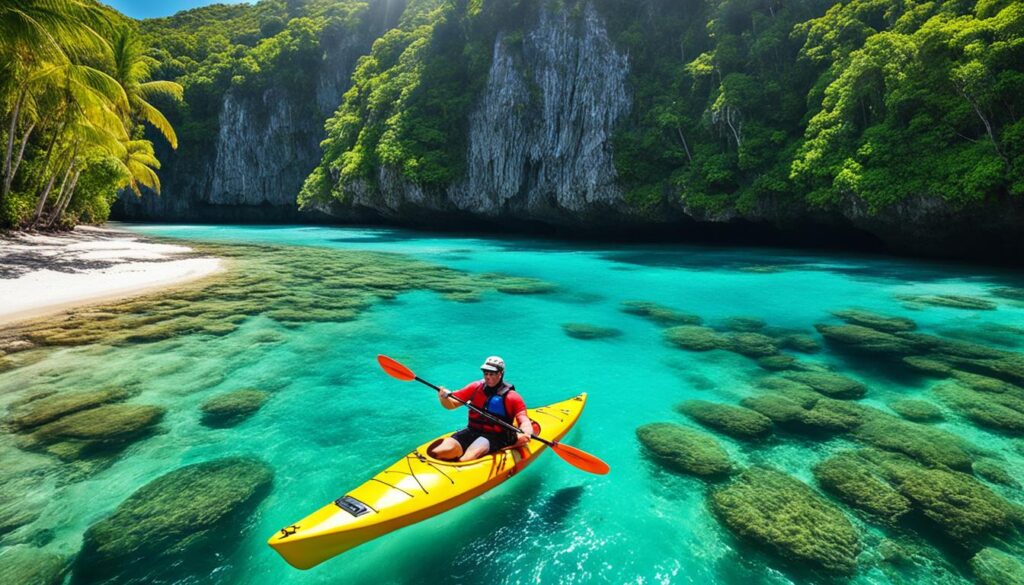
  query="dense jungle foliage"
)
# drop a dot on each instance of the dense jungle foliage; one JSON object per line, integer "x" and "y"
{"x": 735, "y": 102}
{"x": 245, "y": 49}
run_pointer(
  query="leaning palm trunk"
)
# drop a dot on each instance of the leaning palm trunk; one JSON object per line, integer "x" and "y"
{"x": 9, "y": 179}
{"x": 46, "y": 193}
{"x": 63, "y": 203}
{"x": 40, "y": 175}
{"x": 10, "y": 140}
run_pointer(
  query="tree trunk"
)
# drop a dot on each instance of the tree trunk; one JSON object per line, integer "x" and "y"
{"x": 984, "y": 120}
{"x": 17, "y": 162}
{"x": 41, "y": 175}
{"x": 64, "y": 203}
{"x": 685, "y": 147}
{"x": 10, "y": 137}
{"x": 46, "y": 193}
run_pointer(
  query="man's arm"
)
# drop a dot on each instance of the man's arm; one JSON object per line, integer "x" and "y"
{"x": 522, "y": 419}
{"x": 444, "y": 396}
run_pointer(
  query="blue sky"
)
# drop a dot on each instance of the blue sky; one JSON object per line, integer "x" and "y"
{"x": 151, "y": 9}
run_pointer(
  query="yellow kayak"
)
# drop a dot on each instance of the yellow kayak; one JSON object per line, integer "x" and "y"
{"x": 414, "y": 488}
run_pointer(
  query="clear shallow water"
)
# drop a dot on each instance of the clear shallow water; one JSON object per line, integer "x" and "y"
{"x": 335, "y": 418}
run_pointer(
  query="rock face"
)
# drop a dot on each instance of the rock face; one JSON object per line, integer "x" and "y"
{"x": 266, "y": 145}
{"x": 553, "y": 158}
{"x": 539, "y": 139}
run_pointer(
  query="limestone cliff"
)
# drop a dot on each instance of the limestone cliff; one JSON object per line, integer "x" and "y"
{"x": 540, "y": 136}
{"x": 266, "y": 143}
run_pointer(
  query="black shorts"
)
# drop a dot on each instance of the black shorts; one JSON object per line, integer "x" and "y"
{"x": 497, "y": 440}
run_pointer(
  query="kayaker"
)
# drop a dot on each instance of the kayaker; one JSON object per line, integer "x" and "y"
{"x": 482, "y": 436}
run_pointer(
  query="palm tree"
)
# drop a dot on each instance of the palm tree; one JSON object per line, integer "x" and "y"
{"x": 34, "y": 33}
{"x": 132, "y": 69}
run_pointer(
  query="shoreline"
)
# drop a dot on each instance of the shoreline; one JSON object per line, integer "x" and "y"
{"x": 43, "y": 275}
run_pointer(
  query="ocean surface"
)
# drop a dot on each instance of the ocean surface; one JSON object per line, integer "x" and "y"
{"x": 334, "y": 418}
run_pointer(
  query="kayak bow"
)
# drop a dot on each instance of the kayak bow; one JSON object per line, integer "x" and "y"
{"x": 414, "y": 488}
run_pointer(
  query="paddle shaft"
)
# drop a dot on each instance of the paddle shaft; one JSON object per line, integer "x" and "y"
{"x": 488, "y": 415}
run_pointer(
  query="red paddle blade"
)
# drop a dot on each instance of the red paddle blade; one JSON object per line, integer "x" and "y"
{"x": 395, "y": 369}
{"x": 580, "y": 459}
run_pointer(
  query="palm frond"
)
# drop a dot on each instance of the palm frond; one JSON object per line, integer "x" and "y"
{"x": 170, "y": 89}
{"x": 157, "y": 119}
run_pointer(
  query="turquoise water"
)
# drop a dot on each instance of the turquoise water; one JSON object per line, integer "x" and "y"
{"x": 335, "y": 419}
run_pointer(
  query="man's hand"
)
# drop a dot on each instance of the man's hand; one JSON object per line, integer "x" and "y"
{"x": 522, "y": 439}
{"x": 443, "y": 392}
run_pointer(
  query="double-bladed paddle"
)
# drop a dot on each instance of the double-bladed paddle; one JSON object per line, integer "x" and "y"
{"x": 573, "y": 456}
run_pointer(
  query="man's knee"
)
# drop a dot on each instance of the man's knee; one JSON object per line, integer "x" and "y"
{"x": 448, "y": 449}
{"x": 476, "y": 449}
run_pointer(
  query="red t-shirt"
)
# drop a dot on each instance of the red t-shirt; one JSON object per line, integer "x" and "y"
{"x": 475, "y": 395}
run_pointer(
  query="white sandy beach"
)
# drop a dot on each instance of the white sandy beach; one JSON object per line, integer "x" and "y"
{"x": 45, "y": 274}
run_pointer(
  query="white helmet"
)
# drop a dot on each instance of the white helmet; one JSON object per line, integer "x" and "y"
{"x": 493, "y": 364}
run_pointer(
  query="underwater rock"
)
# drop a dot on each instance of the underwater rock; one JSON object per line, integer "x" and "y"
{"x": 1008, "y": 292}
{"x": 946, "y": 350}
{"x": 695, "y": 338}
{"x": 875, "y": 321}
{"x": 16, "y": 508}
{"x": 986, "y": 384}
{"x": 907, "y": 559}
{"x": 932, "y": 367}
{"x": 1009, "y": 368}
{"x": 834, "y": 416}
{"x": 1013, "y": 293}
{"x": 916, "y": 410}
{"x": 993, "y": 472}
{"x": 829, "y": 384}
{"x": 994, "y": 567}
{"x": 750, "y": 344}
{"x": 949, "y": 301}
{"x": 855, "y": 481}
{"x": 927, "y": 445}
{"x": 777, "y": 363}
{"x": 26, "y": 565}
{"x": 962, "y": 507}
{"x": 195, "y": 508}
{"x": 103, "y": 428}
{"x": 734, "y": 421}
{"x": 587, "y": 331}
{"x": 515, "y": 285}
{"x": 799, "y": 393}
{"x": 659, "y": 314}
{"x": 53, "y": 407}
{"x": 799, "y": 342}
{"x": 745, "y": 324}
{"x": 7, "y": 364}
{"x": 779, "y": 409}
{"x": 1001, "y": 412}
{"x": 231, "y": 408}
{"x": 865, "y": 339}
{"x": 684, "y": 450}
{"x": 786, "y": 517}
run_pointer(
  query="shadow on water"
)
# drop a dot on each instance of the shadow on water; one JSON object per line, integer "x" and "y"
{"x": 757, "y": 261}
{"x": 376, "y": 237}
{"x": 560, "y": 506}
